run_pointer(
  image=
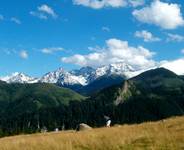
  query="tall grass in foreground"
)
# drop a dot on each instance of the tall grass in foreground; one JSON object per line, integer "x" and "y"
{"x": 163, "y": 135}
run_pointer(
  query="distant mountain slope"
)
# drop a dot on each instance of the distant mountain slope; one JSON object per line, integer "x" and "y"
{"x": 26, "y": 96}
{"x": 97, "y": 85}
{"x": 158, "y": 81}
{"x": 101, "y": 83}
{"x": 182, "y": 77}
{"x": 152, "y": 95}
{"x": 152, "y": 81}
{"x": 21, "y": 105}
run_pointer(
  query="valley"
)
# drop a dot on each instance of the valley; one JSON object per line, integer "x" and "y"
{"x": 166, "y": 134}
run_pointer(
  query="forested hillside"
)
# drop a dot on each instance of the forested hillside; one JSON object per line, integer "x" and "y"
{"x": 153, "y": 95}
{"x": 20, "y": 105}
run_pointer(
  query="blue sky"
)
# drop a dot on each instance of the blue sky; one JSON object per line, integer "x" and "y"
{"x": 38, "y": 36}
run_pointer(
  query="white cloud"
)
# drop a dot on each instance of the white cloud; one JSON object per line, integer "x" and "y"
{"x": 165, "y": 15}
{"x": 98, "y": 4}
{"x": 15, "y": 20}
{"x": 106, "y": 29}
{"x": 147, "y": 36}
{"x": 48, "y": 10}
{"x": 23, "y": 54}
{"x": 136, "y": 3}
{"x": 182, "y": 51}
{"x": 175, "y": 38}
{"x": 43, "y": 12}
{"x": 51, "y": 50}
{"x": 175, "y": 66}
{"x": 114, "y": 52}
{"x": 96, "y": 49}
{"x": 1, "y": 17}
{"x": 39, "y": 15}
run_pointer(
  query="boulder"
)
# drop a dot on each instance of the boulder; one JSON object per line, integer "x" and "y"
{"x": 83, "y": 127}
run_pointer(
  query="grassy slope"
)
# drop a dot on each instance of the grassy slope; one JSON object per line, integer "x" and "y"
{"x": 167, "y": 134}
{"x": 47, "y": 94}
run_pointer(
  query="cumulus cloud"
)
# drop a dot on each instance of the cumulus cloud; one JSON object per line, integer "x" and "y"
{"x": 51, "y": 50}
{"x": 136, "y": 3}
{"x": 182, "y": 51}
{"x": 48, "y": 10}
{"x": 23, "y": 54}
{"x": 147, "y": 36}
{"x": 175, "y": 66}
{"x": 97, "y": 4}
{"x": 115, "y": 51}
{"x": 106, "y": 29}
{"x": 164, "y": 15}
{"x": 175, "y": 38}
{"x": 43, "y": 12}
{"x": 15, "y": 20}
{"x": 39, "y": 15}
{"x": 96, "y": 49}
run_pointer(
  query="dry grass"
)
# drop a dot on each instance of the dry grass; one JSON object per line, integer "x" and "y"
{"x": 163, "y": 135}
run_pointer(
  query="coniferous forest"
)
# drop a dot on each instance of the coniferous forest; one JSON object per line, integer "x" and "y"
{"x": 28, "y": 108}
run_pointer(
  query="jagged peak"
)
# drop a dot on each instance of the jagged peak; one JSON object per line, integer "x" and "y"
{"x": 19, "y": 77}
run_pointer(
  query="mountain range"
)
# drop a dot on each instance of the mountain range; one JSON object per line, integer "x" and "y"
{"x": 152, "y": 95}
{"x": 86, "y": 80}
{"x": 83, "y": 76}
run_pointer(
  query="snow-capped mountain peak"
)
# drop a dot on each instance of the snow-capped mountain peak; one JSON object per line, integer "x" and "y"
{"x": 82, "y": 76}
{"x": 116, "y": 68}
{"x": 84, "y": 71}
{"x": 19, "y": 78}
{"x": 52, "y": 77}
{"x": 62, "y": 77}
